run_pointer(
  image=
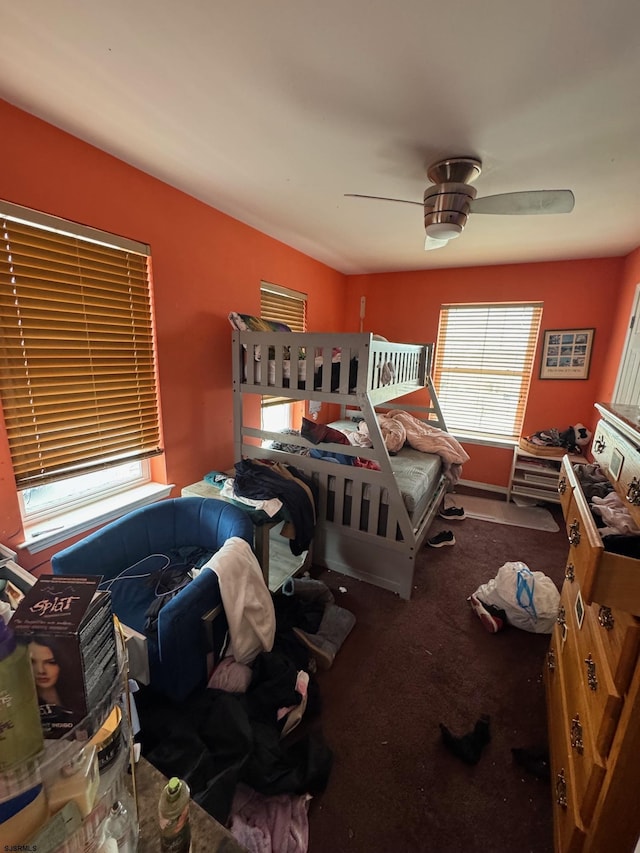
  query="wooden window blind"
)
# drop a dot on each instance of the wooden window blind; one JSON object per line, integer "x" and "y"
{"x": 287, "y": 306}
{"x": 483, "y": 366}
{"x": 77, "y": 363}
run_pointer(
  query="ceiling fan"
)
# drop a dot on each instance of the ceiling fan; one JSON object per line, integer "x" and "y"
{"x": 448, "y": 203}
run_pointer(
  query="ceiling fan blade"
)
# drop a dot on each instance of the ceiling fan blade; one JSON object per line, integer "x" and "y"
{"x": 382, "y": 198}
{"x": 533, "y": 201}
{"x": 432, "y": 243}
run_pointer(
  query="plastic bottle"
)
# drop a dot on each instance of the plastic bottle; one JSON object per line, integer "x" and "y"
{"x": 5, "y": 612}
{"x": 20, "y": 730}
{"x": 173, "y": 814}
{"x": 121, "y": 825}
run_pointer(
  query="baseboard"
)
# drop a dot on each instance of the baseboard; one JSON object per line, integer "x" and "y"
{"x": 485, "y": 487}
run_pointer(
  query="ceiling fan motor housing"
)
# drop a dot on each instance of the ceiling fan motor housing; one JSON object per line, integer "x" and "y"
{"x": 446, "y": 209}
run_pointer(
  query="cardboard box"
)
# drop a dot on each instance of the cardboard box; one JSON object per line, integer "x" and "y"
{"x": 68, "y": 626}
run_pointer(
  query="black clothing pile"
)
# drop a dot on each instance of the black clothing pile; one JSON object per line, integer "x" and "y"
{"x": 261, "y": 480}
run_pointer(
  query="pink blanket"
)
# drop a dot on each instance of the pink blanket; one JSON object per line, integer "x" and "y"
{"x": 430, "y": 439}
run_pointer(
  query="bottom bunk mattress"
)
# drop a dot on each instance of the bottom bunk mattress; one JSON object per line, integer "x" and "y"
{"x": 417, "y": 475}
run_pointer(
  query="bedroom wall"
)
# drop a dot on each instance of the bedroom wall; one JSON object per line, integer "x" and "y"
{"x": 581, "y": 294}
{"x": 630, "y": 278}
{"x": 205, "y": 264}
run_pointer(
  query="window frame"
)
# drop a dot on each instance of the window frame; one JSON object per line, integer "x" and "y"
{"x": 455, "y": 360}
{"x": 284, "y": 305}
{"x": 19, "y": 266}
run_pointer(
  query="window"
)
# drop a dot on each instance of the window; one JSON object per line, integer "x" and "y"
{"x": 484, "y": 360}
{"x": 287, "y": 306}
{"x": 77, "y": 359}
{"x": 290, "y": 307}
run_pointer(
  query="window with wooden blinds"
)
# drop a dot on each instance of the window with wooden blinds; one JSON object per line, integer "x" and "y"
{"x": 287, "y": 306}
{"x": 77, "y": 363}
{"x": 483, "y": 366}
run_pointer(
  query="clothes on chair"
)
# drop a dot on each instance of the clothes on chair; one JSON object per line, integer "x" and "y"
{"x": 246, "y": 600}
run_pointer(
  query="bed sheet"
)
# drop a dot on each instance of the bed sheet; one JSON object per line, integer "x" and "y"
{"x": 416, "y": 473}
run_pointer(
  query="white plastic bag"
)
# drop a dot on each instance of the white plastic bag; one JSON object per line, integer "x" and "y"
{"x": 530, "y": 599}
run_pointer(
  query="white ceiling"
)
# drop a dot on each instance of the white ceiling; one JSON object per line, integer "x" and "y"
{"x": 271, "y": 110}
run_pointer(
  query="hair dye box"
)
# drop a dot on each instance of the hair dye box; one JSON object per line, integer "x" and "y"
{"x": 68, "y": 626}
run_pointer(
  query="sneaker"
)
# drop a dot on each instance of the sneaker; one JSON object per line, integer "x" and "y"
{"x": 453, "y": 513}
{"x": 491, "y": 620}
{"x": 446, "y": 537}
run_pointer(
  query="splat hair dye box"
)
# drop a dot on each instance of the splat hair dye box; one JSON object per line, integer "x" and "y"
{"x": 68, "y": 627}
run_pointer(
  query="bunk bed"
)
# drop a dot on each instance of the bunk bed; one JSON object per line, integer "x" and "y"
{"x": 370, "y": 523}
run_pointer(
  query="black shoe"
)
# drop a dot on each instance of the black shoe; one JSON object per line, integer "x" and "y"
{"x": 441, "y": 539}
{"x": 468, "y": 747}
{"x": 453, "y": 513}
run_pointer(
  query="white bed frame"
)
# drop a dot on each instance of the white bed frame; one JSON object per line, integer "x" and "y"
{"x": 363, "y": 528}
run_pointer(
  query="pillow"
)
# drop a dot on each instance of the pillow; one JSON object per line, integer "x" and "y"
{"x": 249, "y": 323}
{"x": 317, "y": 433}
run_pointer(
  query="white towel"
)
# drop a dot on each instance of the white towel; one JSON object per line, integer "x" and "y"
{"x": 246, "y": 600}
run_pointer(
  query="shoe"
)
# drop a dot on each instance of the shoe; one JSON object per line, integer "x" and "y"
{"x": 445, "y": 537}
{"x": 468, "y": 747}
{"x": 453, "y": 513}
{"x": 491, "y": 621}
{"x": 334, "y": 628}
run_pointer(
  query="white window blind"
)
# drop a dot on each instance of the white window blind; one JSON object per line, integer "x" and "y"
{"x": 77, "y": 363}
{"x": 483, "y": 366}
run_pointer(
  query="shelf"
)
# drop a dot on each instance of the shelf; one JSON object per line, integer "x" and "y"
{"x": 536, "y": 477}
{"x": 52, "y": 835}
{"x": 57, "y": 752}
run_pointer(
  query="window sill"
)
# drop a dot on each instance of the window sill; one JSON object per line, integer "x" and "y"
{"x": 39, "y": 537}
{"x": 507, "y": 443}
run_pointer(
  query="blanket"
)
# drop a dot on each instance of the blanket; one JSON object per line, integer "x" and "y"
{"x": 399, "y": 427}
{"x": 246, "y": 600}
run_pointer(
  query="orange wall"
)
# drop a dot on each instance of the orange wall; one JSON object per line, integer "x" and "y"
{"x": 579, "y": 294}
{"x": 205, "y": 264}
{"x": 219, "y": 267}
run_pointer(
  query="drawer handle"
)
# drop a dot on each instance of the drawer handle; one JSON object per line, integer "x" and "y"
{"x": 551, "y": 660}
{"x": 605, "y": 618}
{"x": 561, "y": 618}
{"x": 592, "y": 678}
{"x": 599, "y": 445}
{"x": 570, "y": 572}
{"x": 576, "y": 735}
{"x": 561, "y": 789}
{"x": 562, "y": 485}
{"x": 633, "y": 492}
{"x": 574, "y": 533}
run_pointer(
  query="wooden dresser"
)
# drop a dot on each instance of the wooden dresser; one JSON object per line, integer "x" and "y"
{"x": 592, "y": 672}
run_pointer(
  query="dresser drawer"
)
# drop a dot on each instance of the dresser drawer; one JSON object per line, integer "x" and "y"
{"x": 619, "y": 634}
{"x": 565, "y": 487}
{"x": 620, "y": 459}
{"x": 604, "y": 439}
{"x": 589, "y": 680}
{"x": 569, "y": 832}
{"x": 606, "y": 578}
{"x": 579, "y": 722}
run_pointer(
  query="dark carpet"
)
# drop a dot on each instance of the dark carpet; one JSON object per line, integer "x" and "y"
{"x": 408, "y": 666}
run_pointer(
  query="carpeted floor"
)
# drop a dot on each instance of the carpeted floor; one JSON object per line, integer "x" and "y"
{"x": 406, "y": 667}
{"x": 506, "y": 512}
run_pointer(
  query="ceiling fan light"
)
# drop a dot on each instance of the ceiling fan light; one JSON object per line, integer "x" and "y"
{"x": 443, "y": 230}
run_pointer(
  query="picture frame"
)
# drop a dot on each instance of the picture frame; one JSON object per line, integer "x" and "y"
{"x": 616, "y": 463}
{"x": 566, "y": 353}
